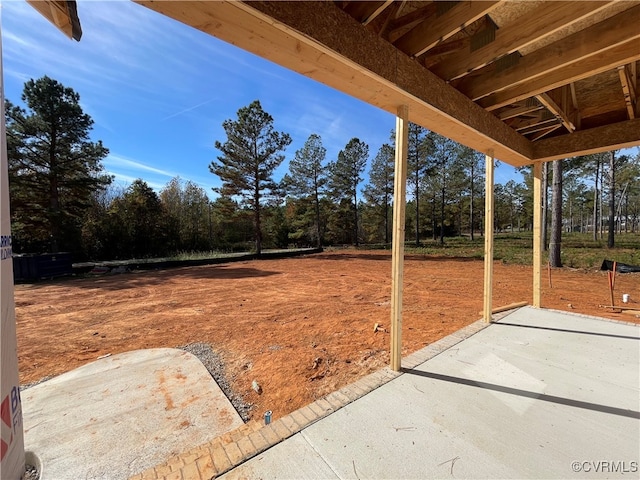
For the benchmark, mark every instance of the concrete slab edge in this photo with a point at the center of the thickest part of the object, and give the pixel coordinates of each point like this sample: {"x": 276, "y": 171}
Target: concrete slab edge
{"x": 230, "y": 450}
{"x": 592, "y": 317}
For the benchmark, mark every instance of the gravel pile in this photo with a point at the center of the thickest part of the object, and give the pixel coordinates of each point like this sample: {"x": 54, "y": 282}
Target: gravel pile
{"x": 214, "y": 364}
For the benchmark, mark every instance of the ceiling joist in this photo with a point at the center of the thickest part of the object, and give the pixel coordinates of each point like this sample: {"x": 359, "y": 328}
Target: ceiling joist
{"x": 564, "y": 74}
{"x": 599, "y": 39}
{"x": 519, "y": 111}
{"x": 543, "y": 133}
{"x": 367, "y": 12}
{"x": 428, "y": 34}
{"x": 545, "y": 21}
{"x": 546, "y": 100}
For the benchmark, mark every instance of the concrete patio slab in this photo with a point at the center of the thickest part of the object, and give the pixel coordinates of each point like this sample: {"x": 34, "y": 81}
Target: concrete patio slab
{"x": 540, "y": 394}
{"x": 120, "y": 415}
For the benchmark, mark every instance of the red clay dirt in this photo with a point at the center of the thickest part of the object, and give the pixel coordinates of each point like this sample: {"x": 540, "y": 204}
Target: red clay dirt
{"x": 301, "y": 327}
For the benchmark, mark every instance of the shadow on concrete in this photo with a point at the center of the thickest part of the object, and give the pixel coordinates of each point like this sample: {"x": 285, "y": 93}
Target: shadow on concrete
{"x": 581, "y": 332}
{"x": 526, "y": 393}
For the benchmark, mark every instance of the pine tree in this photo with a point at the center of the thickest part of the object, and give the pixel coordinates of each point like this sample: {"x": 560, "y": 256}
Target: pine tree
{"x": 54, "y": 168}
{"x": 249, "y": 157}
{"x": 345, "y": 176}
{"x": 444, "y": 154}
{"x": 379, "y": 190}
{"x": 307, "y": 178}
{"x": 420, "y": 147}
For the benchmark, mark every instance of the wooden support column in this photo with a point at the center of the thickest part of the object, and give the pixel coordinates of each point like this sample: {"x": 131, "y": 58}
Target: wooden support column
{"x": 397, "y": 256}
{"x": 537, "y": 234}
{"x": 488, "y": 239}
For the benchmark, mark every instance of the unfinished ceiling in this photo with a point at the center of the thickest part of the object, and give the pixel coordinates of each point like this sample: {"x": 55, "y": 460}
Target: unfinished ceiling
{"x": 524, "y": 81}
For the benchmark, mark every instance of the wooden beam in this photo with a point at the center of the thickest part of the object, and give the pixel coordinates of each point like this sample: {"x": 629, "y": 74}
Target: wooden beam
{"x": 543, "y": 126}
{"x": 537, "y": 234}
{"x": 546, "y": 100}
{"x": 366, "y": 12}
{"x": 628, "y": 91}
{"x": 319, "y": 40}
{"x": 428, "y": 34}
{"x": 541, "y": 120}
{"x": 544, "y": 133}
{"x": 397, "y": 246}
{"x": 488, "y": 239}
{"x": 542, "y": 22}
{"x": 377, "y": 12}
{"x": 518, "y": 111}
{"x": 584, "y": 142}
{"x": 60, "y": 13}
{"x": 565, "y": 74}
{"x": 574, "y": 102}
{"x": 412, "y": 18}
{"x": 579, "y": 47}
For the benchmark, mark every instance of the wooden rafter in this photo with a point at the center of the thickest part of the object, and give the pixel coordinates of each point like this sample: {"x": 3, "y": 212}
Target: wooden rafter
{"x": 628, "y": 89}
{"x": 409, "y": 20}
{"x": 381, "y": 24}
{"x": 536, "y": 122}
{"x": 599, "y": 39}
{"x": 518, "y": 111}
{"x": 545, "y": 21}
{"x": 564, "y": 74}
{"x": 428, "y": 34}
{"x": 546, "y": 100}
{"x": 366, "y": 12}
{"x": 543, "y": 126}
{"x": 544, "y": 133}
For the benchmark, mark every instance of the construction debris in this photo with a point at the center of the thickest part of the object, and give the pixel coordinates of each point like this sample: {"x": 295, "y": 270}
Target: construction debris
{"x": 256, "y": 386}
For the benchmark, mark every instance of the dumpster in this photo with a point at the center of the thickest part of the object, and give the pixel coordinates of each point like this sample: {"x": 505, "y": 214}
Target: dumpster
{"x": 30, "y": 267}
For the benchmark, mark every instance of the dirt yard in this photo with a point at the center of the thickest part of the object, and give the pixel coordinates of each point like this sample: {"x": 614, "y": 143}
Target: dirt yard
{"x": 300, "y": 327}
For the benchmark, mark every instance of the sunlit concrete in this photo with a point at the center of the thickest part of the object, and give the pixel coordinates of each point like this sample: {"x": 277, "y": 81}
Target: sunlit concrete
{"x": 541, "y": 394}
{"x": 120, "y": 415}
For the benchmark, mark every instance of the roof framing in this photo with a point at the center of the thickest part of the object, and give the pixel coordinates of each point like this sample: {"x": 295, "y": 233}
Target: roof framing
{"x": 545, "y": 21}
{"x": 512, "y": 78}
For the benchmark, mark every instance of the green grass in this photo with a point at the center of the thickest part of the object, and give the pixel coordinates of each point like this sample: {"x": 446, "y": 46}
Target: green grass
{"x": 577, "y": 251}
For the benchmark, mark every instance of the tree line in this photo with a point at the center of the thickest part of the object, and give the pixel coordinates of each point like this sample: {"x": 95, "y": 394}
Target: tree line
{"x": 63, "y": 200}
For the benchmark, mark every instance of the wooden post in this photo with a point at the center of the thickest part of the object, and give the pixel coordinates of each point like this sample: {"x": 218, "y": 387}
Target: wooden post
{"x": 488, "y": 238}
{"x": 537, "y": 234}
{"x": 397, "y": 256}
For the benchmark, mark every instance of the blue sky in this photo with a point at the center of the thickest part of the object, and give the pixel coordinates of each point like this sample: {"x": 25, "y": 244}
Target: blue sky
{"x": 158, "y": 91}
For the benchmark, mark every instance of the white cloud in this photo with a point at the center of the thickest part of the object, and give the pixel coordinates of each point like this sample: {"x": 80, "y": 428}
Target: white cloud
{"x": 118, "y": 161}
{"x": 126, "y": 180}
